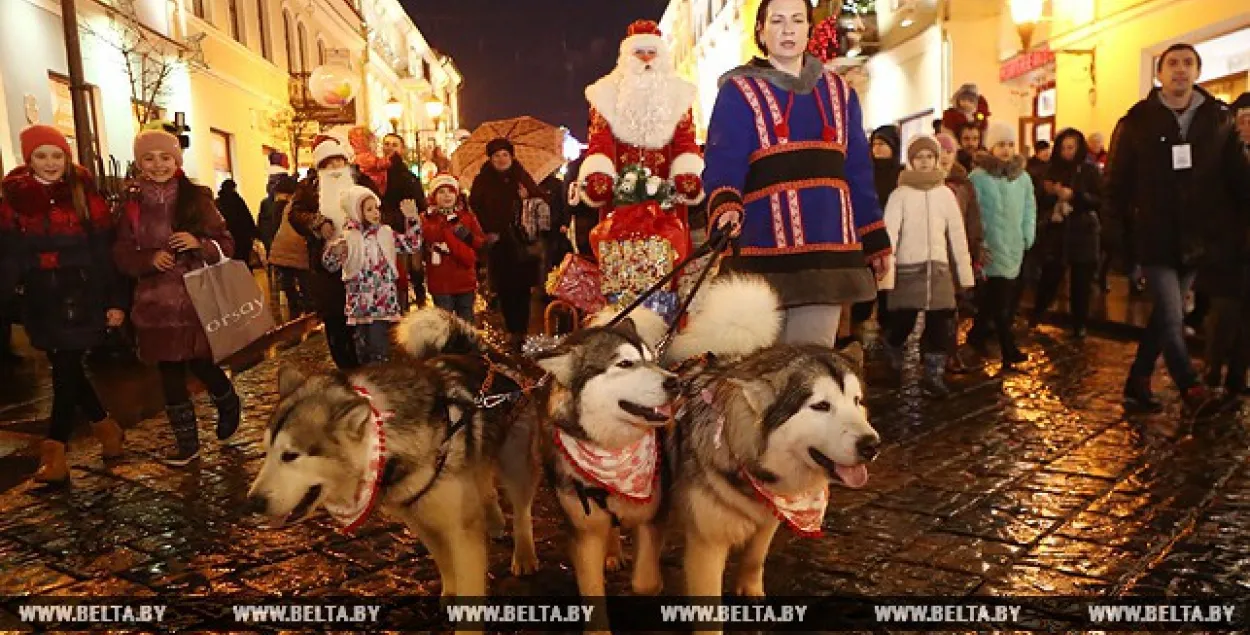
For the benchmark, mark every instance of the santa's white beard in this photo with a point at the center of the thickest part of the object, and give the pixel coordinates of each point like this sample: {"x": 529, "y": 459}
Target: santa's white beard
{"x": 331, "y": 185}
{"x": 642, "y": 111}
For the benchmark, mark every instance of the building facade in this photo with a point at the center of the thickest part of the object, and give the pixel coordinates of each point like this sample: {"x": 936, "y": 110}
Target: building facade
{"x": 1084, "y": 64}
{"x": 708, "y": 38}
{"x": 232, "y": 69}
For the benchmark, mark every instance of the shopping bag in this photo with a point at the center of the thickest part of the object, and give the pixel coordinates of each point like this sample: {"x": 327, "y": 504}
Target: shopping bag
{"x": 230, "y": 305}
{"x": 577, "y": 280}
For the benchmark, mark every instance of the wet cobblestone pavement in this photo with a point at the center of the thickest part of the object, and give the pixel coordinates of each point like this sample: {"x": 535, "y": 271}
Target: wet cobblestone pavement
{"x": 1030, "y": 484}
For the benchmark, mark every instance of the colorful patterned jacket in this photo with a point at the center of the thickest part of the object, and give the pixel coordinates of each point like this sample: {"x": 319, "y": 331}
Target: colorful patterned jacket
{"x": 790, "y": 154}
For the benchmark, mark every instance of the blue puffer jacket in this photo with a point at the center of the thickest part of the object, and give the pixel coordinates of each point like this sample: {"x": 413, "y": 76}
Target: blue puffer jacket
{"x": 1008, "y": 212}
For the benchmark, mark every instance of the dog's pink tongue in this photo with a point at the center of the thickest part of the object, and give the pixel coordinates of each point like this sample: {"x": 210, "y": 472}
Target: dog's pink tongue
{"x": 854, "y": 477}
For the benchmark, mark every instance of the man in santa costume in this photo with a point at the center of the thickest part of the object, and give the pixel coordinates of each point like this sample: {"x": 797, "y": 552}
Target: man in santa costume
{"x": 640, "y": 114}
{"x": 317, "y": 213}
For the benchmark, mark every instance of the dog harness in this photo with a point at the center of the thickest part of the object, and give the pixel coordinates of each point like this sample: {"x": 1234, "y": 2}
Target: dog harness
{"x": 803, "y": 513}
{"x": 352, "y": 515}
{"x": 630, "y": 472}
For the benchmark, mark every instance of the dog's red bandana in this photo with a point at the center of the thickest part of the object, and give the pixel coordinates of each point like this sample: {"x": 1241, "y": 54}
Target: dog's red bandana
{"x": 803, "y": 513}
{"x": 630, "y": 472}
{"x": 354, "y": 514}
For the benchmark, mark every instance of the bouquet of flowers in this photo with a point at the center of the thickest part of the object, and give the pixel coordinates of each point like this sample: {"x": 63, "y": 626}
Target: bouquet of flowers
{"x": 636, "y": 184}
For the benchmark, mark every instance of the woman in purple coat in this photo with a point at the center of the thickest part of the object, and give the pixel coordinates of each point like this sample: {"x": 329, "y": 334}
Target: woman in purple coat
{"x": 171, "y": 227}
{"x": 788, "y": 167}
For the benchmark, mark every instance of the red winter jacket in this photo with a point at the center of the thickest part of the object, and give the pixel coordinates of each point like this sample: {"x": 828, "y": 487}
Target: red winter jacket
{"x": 456, "y": 271}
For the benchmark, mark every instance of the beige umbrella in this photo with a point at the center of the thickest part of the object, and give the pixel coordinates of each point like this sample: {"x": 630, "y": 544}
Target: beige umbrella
{"x": 539, "y": 148}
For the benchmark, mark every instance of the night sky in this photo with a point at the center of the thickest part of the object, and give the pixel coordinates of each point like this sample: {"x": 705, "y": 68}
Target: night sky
{"x": 529, "y": 57}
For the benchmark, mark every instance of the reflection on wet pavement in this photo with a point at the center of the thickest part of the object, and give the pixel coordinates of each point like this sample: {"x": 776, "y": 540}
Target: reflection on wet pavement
{"x": 1032, "y": 483}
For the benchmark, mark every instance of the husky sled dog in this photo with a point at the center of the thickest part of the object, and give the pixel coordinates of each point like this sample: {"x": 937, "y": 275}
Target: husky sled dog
{"x": 762, "y": 431}
{"x": 599, "y": 442}
{"x": 411, "y": 437}
{"x": 603, "y": 428}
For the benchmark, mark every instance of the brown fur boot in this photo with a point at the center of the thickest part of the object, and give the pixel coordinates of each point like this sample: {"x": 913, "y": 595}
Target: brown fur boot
{"x": 111, "y": 437}
{"x": 52, "y": 467}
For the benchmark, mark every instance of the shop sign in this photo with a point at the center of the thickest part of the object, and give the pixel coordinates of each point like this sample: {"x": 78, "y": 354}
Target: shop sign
{"x": 1025, "y": 63}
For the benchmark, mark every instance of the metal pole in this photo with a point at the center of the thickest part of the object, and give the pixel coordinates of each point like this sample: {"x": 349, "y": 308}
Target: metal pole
{"x": 78, "y": 90}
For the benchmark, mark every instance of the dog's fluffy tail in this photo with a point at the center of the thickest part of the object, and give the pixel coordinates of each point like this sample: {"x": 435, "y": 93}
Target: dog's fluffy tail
{"x": 732, "y": 317}
{"x": 431, "y": 331}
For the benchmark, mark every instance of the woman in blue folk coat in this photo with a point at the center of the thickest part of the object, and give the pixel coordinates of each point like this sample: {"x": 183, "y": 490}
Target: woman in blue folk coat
{"x": 788, "y": 168}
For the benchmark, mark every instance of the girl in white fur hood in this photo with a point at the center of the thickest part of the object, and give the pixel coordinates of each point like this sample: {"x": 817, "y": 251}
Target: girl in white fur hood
{"x": 926, "y": 227}
{"x": 365, "y": 253}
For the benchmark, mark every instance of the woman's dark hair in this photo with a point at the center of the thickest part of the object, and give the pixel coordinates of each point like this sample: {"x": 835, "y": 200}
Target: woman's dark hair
{"x": 188, "y": 215}
{"x": 761, "y": 18}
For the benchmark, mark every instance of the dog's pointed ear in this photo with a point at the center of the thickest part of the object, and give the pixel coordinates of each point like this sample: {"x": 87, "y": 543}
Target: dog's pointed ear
{"x": 355, "y": 417}
{"x": 757, "y": 393}
{"x": 560, "y": 364}
{"x": 289, "y": 380}
{"x": 628, "y": 328}
{"x": 853, "y": 354}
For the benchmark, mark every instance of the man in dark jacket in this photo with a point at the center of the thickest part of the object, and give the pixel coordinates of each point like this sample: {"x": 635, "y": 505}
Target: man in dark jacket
{"x": 317, "y": 215}
{"x": 1180, "y": 181}
{"x": 402, "y": 185}
{"x": 238, "y": 219}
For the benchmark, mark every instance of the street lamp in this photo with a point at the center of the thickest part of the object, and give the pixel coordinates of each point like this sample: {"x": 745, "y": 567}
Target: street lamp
{"x": 1026, "y": 14}
{"x": 394, "y": 110}
{"x": 434, "y": 107}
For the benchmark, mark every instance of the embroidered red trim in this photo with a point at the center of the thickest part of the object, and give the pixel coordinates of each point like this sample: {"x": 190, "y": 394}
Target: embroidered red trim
{"x": 871, "y": 227}
{"x": 802, "y": 184}
{"x": 795, "y": 146}
{"x": 809, "y": 248}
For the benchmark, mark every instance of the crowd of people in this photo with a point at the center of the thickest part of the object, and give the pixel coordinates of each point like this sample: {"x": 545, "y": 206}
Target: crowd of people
{"x": 958, "y": 223}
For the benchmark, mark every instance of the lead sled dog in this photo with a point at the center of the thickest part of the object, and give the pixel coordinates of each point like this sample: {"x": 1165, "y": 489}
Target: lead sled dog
{"x": 411, "y": 438}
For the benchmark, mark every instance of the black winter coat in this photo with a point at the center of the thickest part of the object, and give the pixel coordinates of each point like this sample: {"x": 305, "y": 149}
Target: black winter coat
{"x": 242, "y": 226}
{"x": 1076, "y": 238}
{"x": 1180, "y": 218}
{"x": 401, "y": 185}
{"x": 62, "y": 262}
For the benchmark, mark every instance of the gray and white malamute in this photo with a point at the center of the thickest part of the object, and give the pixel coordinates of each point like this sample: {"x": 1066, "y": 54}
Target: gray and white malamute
{"x": 408, "y": 438}
{"x": 606, "y": 425}
{"x": 764, "y": 428}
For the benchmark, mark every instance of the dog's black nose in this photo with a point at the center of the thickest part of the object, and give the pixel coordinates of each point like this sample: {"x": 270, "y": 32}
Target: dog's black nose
{"x": 256, "y": 504}
{"x": 867, "y": 447}
{"x": 672, "y": 385}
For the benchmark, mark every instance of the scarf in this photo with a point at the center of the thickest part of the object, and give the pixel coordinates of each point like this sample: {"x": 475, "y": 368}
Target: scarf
{"x": 922, "y": 180}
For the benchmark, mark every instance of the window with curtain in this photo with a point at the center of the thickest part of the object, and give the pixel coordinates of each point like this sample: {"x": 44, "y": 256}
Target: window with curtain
{"x": 262, "y": 22}
{"x": 321, "y": 51}
{"x": 197, "y": 8}
{"x": 286, "y": 39}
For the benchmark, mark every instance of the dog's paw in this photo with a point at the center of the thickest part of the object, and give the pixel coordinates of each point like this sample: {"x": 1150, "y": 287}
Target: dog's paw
{"x": 753, "y": 589}
{"x": 647, "y": 582}
{"x": 615, "y": 562}
{"x": 524, "y": 565}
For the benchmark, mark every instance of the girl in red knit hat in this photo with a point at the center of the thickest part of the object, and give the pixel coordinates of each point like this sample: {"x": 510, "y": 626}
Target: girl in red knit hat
{"x": 55, "y": 234}
{"x": 452, "y": 238}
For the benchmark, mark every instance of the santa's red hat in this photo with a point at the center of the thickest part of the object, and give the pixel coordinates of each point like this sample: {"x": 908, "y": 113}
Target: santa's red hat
{"x": 642, "y": 33}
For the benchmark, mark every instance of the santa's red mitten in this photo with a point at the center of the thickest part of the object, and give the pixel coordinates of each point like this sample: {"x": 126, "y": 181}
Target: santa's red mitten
{"x": 688, "y": 186}
{"x": 599, "y": 188}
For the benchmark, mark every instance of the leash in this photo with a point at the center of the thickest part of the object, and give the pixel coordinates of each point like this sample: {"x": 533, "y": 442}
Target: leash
{"x": 444, "y": 449}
